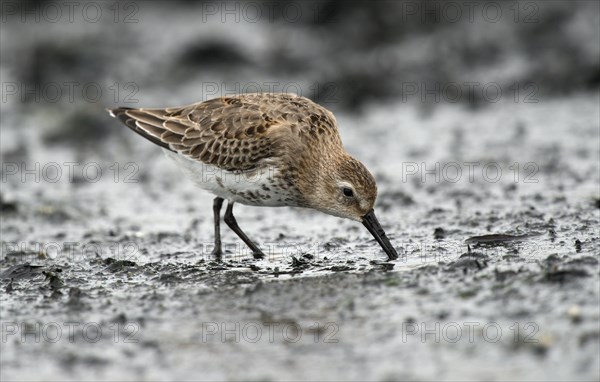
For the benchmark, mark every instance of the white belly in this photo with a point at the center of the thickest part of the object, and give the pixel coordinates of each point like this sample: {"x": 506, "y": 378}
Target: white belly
{"x": 255, "y": 188}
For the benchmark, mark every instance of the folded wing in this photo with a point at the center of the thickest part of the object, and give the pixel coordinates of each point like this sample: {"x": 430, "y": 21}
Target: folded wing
{"x": 233, "y": 133}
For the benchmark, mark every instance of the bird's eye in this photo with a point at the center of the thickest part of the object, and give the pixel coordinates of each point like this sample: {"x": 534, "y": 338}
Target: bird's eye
{"x": 348, "y": 192}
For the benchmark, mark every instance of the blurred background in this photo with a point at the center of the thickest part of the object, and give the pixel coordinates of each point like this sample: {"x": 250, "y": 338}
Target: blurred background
{"x": 346, "y": 55}
{"x": 424, "y": 92}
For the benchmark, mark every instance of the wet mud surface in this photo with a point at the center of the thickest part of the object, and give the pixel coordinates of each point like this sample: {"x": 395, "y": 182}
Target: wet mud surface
{"x": 494, "y": 278}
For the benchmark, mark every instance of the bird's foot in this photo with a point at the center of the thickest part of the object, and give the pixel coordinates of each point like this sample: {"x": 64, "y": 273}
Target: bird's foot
{"x": 217, "y": 253}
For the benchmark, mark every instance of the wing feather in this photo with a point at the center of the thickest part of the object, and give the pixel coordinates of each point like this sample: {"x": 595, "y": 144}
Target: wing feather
{"x": 233, "y": 133}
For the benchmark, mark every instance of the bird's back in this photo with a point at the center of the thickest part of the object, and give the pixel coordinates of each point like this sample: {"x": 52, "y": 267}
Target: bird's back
{"x": 240, "y": 132}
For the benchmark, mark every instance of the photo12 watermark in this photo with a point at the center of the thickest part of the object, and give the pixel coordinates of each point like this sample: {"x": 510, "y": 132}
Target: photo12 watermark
{"x": 68, "y": 11}
{"x": 71, "y": 332}
{"x": 469, "y": 332}
{"x": 47, "y": 252}
{"x": 469, "y": 11}
{"x": 327, "y": 92}
{"x": 287, "y": 331}
{"x": 69, "y": 172}
{"x": 469, "y": 171}
{"x": 267, "y": 11}
{"x": 70, "y": 92}
{"x": 469, "y": 92}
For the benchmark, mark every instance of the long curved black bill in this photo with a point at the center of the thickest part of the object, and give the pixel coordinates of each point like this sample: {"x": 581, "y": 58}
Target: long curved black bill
{"x": 372, "y": 224}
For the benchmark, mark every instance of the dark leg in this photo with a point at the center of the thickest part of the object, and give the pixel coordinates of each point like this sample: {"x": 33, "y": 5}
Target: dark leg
{"x": 217, "y": 203}
{"x": 232, "y": 223}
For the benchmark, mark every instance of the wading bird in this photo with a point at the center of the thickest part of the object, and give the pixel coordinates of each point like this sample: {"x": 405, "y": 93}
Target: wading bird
{"x": 266, "y": 149}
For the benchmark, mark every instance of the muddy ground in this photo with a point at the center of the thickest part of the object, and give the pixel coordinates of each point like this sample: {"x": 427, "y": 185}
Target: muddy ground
{"x": 105, "y": 270}
{"x": 136, "y": 295}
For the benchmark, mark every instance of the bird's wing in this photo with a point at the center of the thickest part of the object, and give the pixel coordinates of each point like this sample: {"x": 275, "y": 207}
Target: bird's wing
{"x": 233, "y": 133}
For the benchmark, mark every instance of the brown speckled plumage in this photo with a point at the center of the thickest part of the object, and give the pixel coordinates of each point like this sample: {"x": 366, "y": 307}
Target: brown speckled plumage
{"x": 234, "y": 133}
{"x": 256, "y": 133}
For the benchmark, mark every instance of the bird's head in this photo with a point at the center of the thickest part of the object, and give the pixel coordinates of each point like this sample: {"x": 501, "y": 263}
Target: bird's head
{"x": 345, "y": 188}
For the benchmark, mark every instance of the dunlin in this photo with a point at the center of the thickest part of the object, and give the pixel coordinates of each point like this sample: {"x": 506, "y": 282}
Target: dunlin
{"x": 263, "y": 150}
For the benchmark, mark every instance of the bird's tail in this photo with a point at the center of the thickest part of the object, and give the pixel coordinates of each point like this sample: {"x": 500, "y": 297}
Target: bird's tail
{"x": 121, "y": 113}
